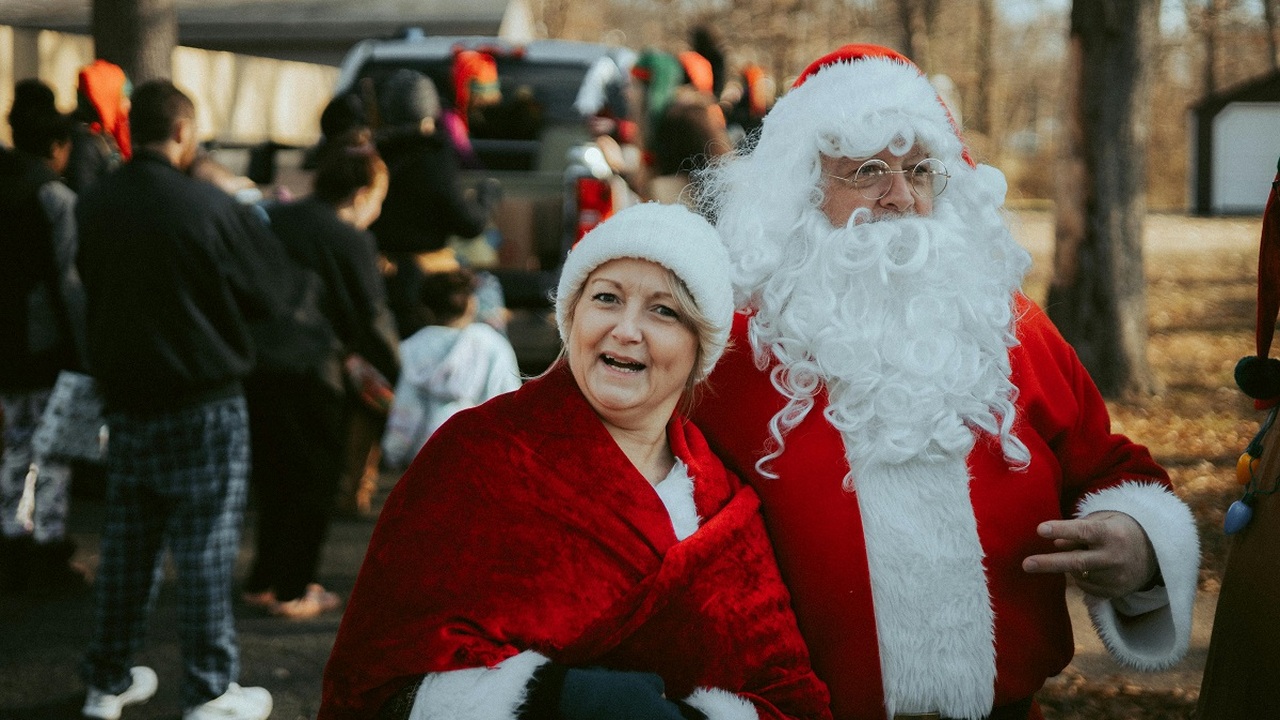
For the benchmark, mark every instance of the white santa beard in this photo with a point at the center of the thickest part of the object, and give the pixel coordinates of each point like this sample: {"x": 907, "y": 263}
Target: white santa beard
{"x": 907, "y": 323}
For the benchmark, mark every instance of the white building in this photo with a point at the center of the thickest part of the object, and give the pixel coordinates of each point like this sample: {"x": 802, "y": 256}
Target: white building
{"x": 1235, "y": 145}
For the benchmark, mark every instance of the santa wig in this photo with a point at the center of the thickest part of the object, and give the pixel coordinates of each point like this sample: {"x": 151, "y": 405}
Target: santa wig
{"x": 907, "y": 323}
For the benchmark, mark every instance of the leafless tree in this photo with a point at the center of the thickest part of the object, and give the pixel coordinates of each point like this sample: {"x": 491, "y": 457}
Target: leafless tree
{"x": 1203, "y": 17}
{"x": 137, "y": 35}
{"x": 978, "y": 115}
{"x": 1269, "y": 12}
{"x": 1097, "y": 296}
{"x": 554, "y": 16}
{"x": 917, "y": 18}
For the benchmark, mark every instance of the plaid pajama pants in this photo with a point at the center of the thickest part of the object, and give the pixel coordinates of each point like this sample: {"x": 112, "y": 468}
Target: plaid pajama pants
{"x": 22, "y": 413}
{"x": 179, "y": 479}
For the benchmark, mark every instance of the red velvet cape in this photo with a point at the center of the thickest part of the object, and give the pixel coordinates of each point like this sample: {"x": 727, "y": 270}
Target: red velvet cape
{"x": 522, "y": 526}
{"x": 817, "y": 528}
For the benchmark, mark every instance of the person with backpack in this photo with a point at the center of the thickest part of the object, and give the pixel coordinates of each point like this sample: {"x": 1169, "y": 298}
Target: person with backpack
{"x": 41, "y": 334}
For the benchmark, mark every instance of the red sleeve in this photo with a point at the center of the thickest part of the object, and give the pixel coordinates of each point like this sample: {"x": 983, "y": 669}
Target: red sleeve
{"x": 1063, "y": 406}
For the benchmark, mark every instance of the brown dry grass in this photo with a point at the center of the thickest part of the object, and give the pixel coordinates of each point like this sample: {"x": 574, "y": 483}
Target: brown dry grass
{"x": 1201, "y": 286}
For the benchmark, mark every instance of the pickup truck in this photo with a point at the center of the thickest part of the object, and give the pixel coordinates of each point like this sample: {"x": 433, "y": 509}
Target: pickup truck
{"x": 556, "y": 183}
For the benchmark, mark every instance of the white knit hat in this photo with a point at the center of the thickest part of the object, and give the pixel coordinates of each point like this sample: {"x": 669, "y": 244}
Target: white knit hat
{"x": 673, "y": 237}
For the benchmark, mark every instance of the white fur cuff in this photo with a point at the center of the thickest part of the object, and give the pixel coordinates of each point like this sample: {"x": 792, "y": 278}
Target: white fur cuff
{"x": 1160, "y": 637}
{"x": 722, "y": 705}
{"x": 483, "y": 693}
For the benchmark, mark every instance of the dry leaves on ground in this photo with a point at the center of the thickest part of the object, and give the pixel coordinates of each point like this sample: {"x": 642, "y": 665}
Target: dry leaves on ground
{"x": 1201, "y": 291}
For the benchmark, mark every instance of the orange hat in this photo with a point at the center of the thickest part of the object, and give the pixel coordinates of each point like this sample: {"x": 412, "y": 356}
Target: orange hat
{"x": 753, "y": 77}
{"x": 105, "y": 87}
{"x": 698, "y": 69}
{"x": 475, "y": 75}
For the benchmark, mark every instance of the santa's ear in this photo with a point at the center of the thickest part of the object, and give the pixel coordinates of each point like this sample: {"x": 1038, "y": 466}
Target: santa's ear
{"x": 1257, "y": 377}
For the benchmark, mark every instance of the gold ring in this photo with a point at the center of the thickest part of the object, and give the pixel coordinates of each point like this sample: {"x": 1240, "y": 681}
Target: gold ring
{"x": 1084, "y": 575}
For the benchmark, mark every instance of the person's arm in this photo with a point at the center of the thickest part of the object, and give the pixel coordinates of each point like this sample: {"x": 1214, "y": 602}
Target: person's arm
{"x": 458, "y": 139}
{"x": 255, "y": 263}
{"x": 59, "y": 203}
{"x": 91, "y": 157}
{"x": 459, "y": 214}
{"x": 376, "y": 336}
{"x": 1135, "y": 538}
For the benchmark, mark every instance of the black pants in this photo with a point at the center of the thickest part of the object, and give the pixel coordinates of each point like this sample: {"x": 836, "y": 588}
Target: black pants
{"x": 296, "y": 426}
{"x": 1013, "y": 711}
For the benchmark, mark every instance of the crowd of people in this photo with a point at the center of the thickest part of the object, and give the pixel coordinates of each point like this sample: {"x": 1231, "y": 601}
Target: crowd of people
{"x": 808, "y": 450}
{"x": 245, "y": 349}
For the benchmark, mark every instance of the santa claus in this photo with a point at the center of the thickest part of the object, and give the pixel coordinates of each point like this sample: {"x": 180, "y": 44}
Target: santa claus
{"x": 932, "y": 457}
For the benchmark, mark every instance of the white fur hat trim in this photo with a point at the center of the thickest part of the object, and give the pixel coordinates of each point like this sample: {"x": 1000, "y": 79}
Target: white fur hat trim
{"x": 858, "y": 108}
{"x": 673, "y": 237}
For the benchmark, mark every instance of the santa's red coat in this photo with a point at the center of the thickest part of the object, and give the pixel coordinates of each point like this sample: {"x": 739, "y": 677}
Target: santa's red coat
{"x": 817, "y": 528}
{"x": 522, "y": 526}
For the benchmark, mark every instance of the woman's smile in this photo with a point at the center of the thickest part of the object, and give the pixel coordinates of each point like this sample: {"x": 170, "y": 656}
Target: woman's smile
{"x": 629, "y": 349}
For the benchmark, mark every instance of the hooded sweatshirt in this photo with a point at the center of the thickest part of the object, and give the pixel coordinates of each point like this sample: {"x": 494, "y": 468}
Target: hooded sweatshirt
{"x": 444, "y": 370}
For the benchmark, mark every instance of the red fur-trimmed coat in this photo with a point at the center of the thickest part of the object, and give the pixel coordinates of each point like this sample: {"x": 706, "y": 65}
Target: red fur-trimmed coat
{"x": 1022, "y": 629}
{"x": 521, "y": 532}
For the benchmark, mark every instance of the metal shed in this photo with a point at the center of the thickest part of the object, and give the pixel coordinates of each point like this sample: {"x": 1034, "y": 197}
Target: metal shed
{"x": 1235, "y": 140}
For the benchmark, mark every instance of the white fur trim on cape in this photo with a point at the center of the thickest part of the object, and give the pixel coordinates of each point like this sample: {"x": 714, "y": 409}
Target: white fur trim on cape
{"x": 719, "y": 704}
{"x": 676, "y": 493}
{"x": 937, "y": 649}
{"x": 1159, "y": 638}
{"x": 483, "y": 693}
{"x": 671, "y": 236}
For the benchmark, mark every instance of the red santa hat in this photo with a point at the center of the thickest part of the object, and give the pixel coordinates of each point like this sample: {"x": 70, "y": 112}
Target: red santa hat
{"x": 1259, "y": 375}
{"x": 671, "y": 236}
{"x": 865, "y": 94}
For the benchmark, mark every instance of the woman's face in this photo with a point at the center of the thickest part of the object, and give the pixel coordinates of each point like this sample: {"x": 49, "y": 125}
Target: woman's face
{"x": 628, "y": 348}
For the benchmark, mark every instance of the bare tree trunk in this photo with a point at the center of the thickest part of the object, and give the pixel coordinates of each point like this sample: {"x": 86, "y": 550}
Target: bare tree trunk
{"x": 1097, "y": 297}
{"x": 978, "y": 117}
{"x": 1269, "y": 16}
{"x": 916, "y": 20}
{"x": 137, "y": 35}
{"x": 1203, "y": 19}
{"x": 555, "y": 17}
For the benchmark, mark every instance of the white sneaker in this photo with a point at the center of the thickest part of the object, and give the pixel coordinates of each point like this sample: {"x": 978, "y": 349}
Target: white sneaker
{"x": 98, "y": 704}
{"x": 237, "y": 703}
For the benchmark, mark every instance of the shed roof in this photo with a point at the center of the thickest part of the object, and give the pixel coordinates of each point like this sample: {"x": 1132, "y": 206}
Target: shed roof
{"x": 1264, "y": 88}
{"x": 309, "y": 30}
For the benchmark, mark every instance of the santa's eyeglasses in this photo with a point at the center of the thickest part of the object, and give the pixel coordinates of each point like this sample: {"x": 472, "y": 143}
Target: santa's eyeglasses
{"x": 874, "y": 178}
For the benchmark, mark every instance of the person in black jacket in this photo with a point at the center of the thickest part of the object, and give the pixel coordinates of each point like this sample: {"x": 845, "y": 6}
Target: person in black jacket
{"x": 425, "y": 203}
{"x": 41, "y": 334}
{"x": 299, "y": 409}
{"x": 174, "y": 270}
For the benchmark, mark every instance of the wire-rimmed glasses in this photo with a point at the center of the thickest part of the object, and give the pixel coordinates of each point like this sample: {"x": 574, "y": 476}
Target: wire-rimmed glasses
{"x": 874, "y": 178}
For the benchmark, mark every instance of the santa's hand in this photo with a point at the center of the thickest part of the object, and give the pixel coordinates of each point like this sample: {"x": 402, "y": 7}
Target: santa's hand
{"x": 1107, "y": 552}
